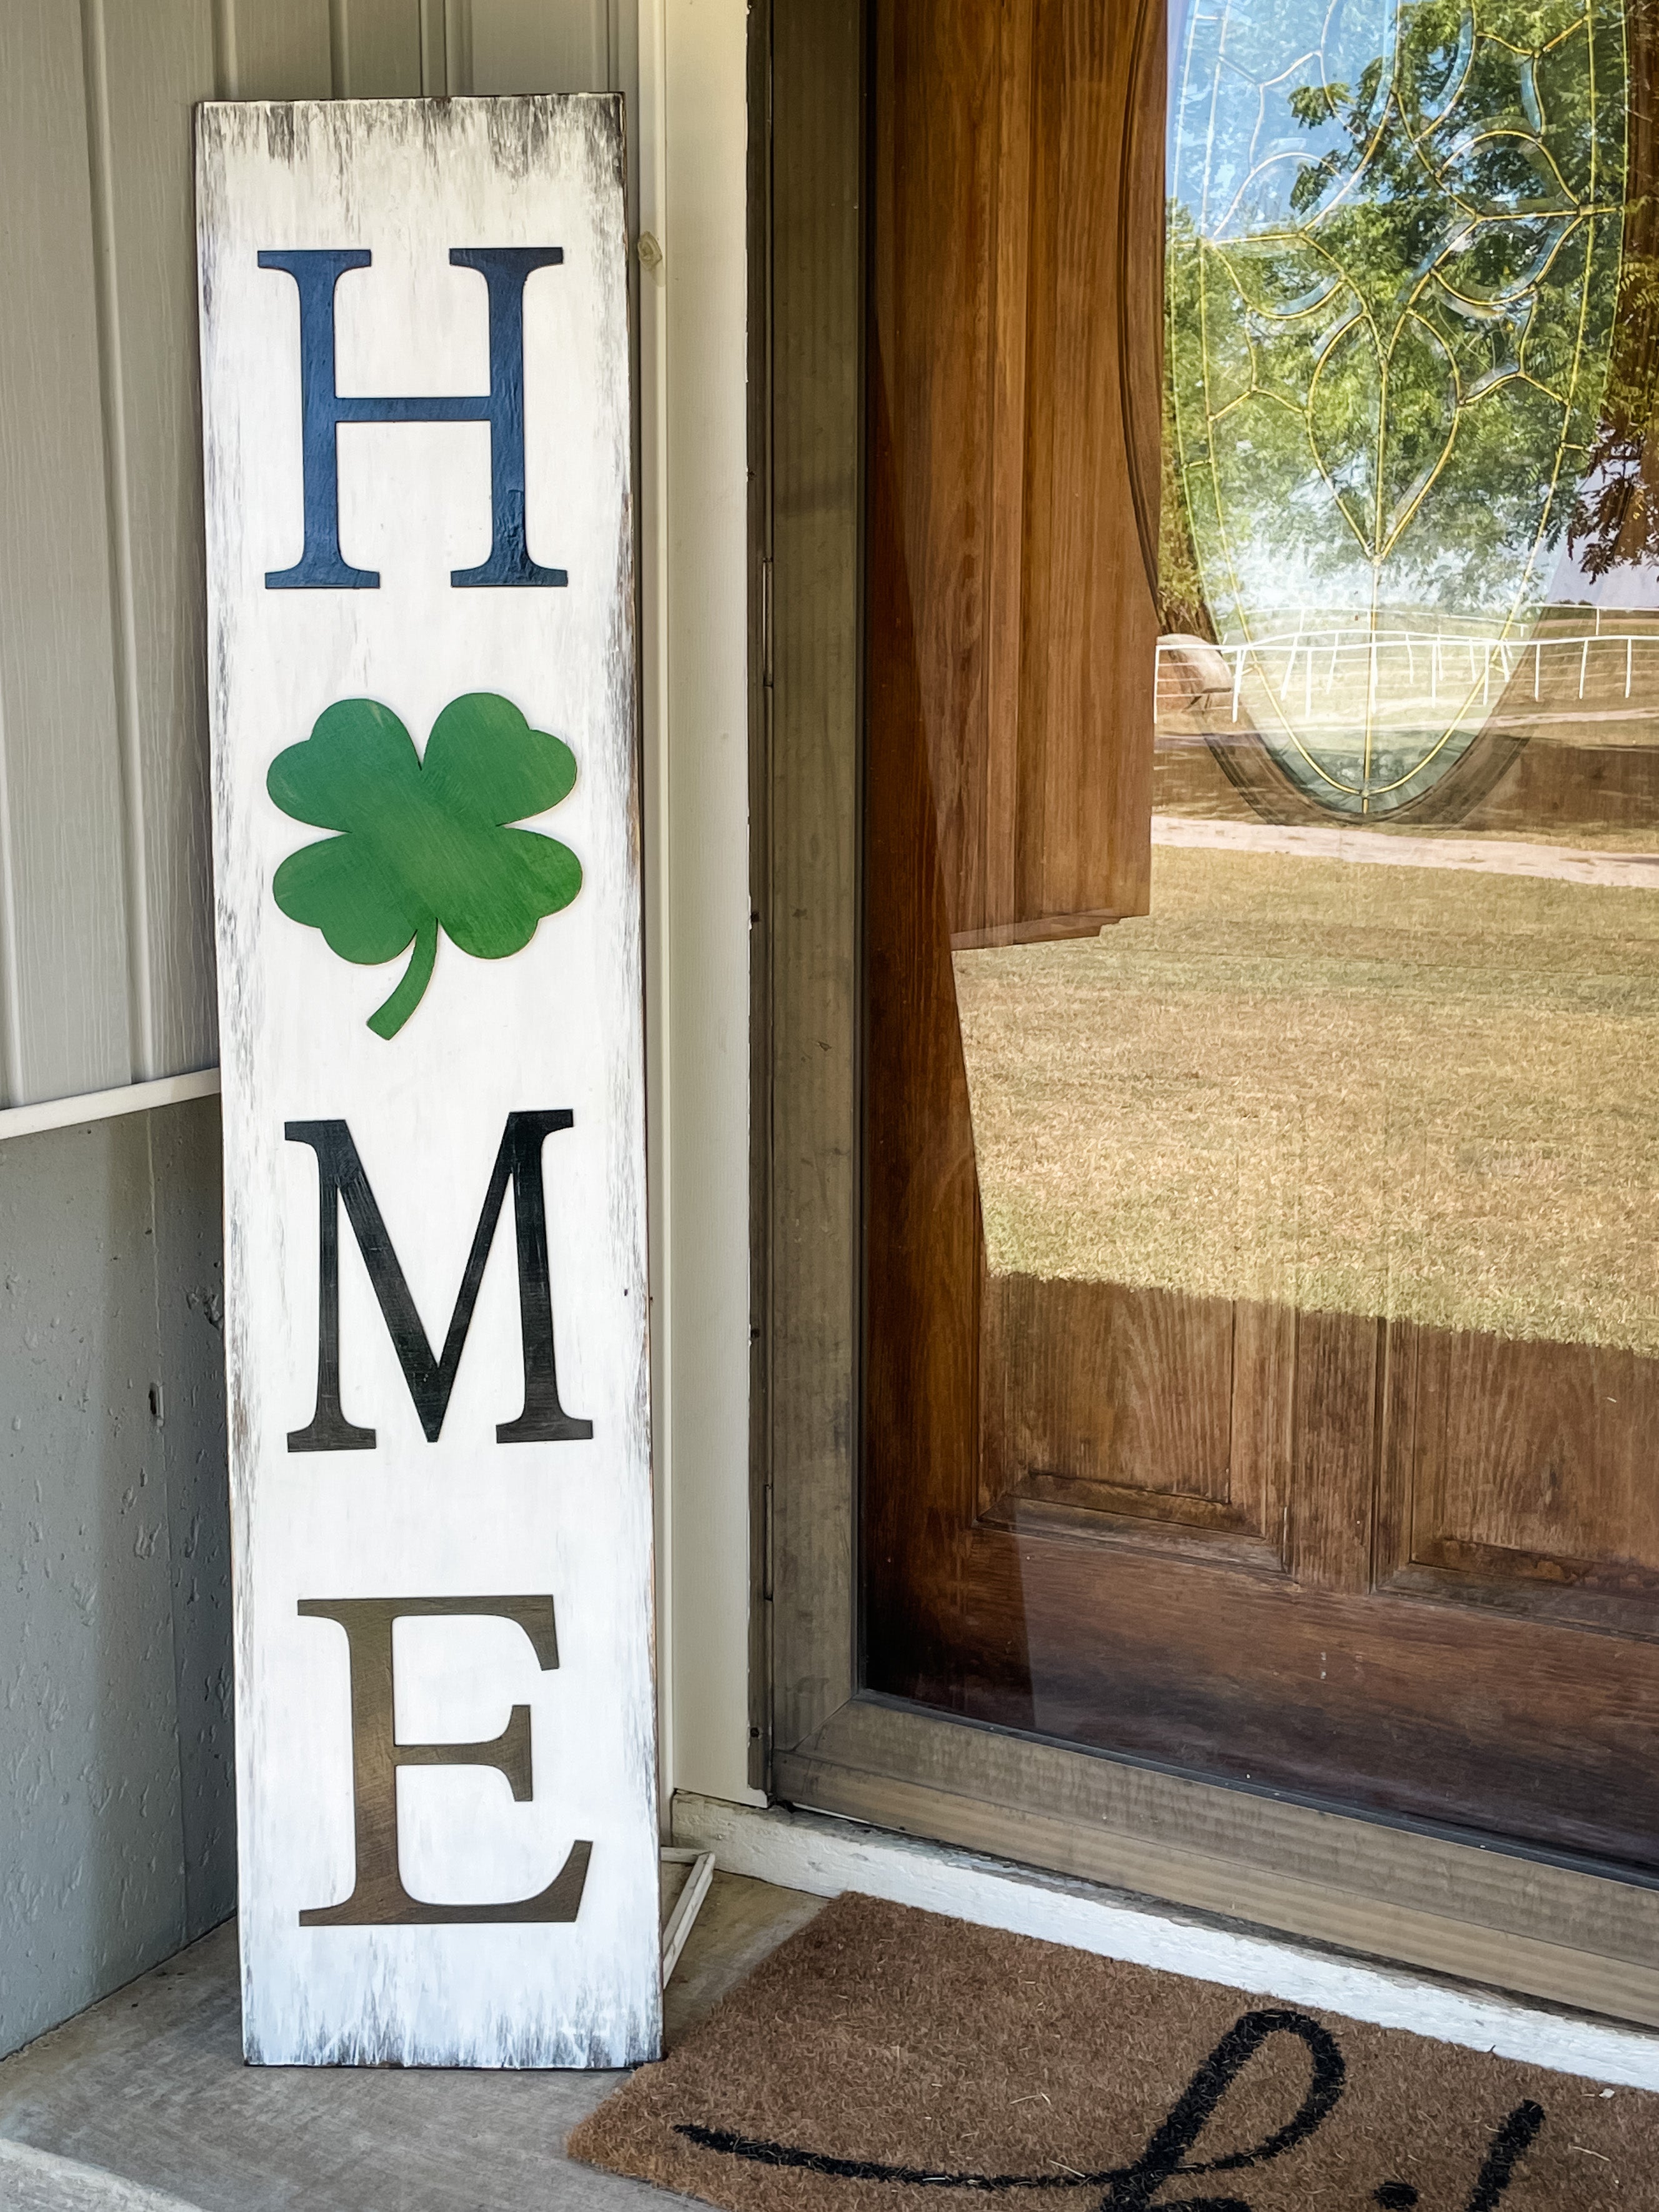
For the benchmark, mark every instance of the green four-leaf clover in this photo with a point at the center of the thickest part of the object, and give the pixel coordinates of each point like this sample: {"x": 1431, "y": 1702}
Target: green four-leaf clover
{"x": 423, "y": 844}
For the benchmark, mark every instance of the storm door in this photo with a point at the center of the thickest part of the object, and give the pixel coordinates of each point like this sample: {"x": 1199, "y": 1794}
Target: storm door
{"x": 1260, "y": 910}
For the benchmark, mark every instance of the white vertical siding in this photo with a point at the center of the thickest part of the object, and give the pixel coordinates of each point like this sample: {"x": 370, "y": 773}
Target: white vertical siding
{"x": 144, "y": 66}
{"x": 63, "y": 861}
{"x": 106, "y": 923}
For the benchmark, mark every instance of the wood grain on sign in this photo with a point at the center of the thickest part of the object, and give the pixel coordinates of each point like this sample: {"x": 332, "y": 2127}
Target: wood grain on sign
{"x": 426, "y": 839}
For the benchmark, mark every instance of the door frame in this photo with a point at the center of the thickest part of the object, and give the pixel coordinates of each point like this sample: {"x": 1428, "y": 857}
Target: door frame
{"x": 1548, "y": 1926}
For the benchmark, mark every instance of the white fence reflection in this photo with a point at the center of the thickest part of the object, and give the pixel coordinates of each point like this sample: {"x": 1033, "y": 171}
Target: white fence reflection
{"x": 1386, "y": 673}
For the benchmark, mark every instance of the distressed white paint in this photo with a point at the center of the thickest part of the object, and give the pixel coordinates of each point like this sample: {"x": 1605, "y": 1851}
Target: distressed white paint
{"x": 558, "y": 1025}
{"x": 824, "y": 1856}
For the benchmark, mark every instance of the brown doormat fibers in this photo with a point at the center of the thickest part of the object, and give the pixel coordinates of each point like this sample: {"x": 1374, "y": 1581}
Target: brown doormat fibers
{"x": 888, "y": 2060}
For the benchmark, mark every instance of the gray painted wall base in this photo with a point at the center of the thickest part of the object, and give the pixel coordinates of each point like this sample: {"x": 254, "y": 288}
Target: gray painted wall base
{"x": 36, "y": 2181}
{"x": 116, "y": 1801}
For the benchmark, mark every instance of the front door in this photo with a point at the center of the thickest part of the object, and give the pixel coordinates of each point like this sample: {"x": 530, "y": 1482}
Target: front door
{"x": 1262, "y": 896}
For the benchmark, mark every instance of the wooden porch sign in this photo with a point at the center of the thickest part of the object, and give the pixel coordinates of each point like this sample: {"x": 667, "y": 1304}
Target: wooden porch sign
{"x": 416, "y": 387}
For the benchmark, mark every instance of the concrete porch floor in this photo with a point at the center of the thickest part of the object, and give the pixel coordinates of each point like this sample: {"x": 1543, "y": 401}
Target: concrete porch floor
{"x": 150, "y": 2085}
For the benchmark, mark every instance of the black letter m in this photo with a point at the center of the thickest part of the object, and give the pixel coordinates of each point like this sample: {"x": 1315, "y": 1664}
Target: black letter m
{"x": 340, "y": 1176}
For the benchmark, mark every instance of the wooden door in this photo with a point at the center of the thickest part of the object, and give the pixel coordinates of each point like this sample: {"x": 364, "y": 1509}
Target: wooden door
{"x": 1375, "y": 1523}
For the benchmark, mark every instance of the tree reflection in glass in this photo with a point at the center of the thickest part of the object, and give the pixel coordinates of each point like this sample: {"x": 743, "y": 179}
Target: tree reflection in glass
{"x": 1394, "y": 256}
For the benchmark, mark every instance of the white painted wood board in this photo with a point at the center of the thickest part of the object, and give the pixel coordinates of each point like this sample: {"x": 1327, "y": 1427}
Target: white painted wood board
{"x": 554, "y": 1026}
{"x": 694, "y": 337}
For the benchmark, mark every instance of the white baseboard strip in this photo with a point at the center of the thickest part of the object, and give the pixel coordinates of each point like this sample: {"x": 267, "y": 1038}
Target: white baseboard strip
{"x": 824, "y": 1856}
{"x": 104, "y": 1105}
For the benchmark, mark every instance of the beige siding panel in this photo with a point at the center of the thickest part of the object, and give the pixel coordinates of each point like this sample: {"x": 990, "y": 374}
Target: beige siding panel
{"x": 395, "y": 49}
{"x": 61, "y": 842}
{"x": 278, "y": 50}
{"x": 377, "y": 50}
{"x": 534, "y": 45}
{"x": 146, "y": 67}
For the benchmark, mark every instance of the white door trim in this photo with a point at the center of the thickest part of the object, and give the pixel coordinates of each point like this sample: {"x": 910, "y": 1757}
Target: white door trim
{"x": 823, "y": 1856}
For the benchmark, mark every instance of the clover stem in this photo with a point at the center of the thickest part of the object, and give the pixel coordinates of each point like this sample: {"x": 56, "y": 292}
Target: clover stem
{"x": 385, "y": 1021}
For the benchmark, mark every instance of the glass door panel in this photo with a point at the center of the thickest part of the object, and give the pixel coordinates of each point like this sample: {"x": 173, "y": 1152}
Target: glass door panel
{"x": 1262, "y": 895}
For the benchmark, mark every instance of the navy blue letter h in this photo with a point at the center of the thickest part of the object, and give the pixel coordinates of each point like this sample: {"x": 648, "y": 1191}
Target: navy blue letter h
{"x": 504, "y": 270}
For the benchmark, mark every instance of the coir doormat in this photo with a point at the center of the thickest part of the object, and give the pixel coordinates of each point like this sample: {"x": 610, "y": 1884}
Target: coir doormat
{"x": 888, "y": 2060}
